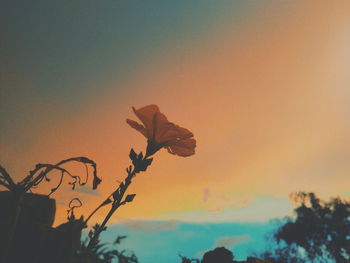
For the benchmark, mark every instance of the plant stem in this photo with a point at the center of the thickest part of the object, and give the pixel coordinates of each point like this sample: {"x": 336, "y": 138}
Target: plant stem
{"x": 97, "y": 208}
{"x": 115, "y": 205}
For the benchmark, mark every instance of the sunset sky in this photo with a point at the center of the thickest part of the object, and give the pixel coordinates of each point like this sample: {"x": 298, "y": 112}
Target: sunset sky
{"x": 263, "y": 85}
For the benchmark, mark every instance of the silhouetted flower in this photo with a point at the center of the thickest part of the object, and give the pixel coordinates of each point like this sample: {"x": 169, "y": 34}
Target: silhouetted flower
{"x": 162, "y": 133}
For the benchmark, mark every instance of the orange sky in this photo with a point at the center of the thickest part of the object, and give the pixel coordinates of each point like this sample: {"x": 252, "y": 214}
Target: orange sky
{"x": 268, "y": 104}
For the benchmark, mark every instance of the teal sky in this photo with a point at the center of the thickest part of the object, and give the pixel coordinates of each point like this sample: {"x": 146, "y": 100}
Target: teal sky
{"x": 168, "y": 239}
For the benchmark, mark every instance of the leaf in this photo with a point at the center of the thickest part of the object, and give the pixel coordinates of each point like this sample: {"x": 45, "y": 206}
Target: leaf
{"x": 118, "y": 240}
{"x": 148, "y": 161}
{"x": 132, "y": 154}
{"x": 130, "y": 198}
{"x": 96, "y": 182}
{"x": 143, "y": 164}
{"x": 116, "y": 194}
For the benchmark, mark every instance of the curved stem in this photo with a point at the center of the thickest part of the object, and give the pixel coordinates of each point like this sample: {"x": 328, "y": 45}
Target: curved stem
{"x": 98, "y": 208}
{"x": 32, "y": 179}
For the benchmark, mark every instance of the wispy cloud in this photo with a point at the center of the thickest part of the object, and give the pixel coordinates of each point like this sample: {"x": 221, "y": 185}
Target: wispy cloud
{"x": 261, "y": 208}
{"x": 85, "y": 189}
{"x": 229, "y": 242}
{"x": 151, "y": 226}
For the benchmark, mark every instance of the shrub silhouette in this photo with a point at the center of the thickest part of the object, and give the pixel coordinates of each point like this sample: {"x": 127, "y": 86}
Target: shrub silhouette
{"x": 102, "y": 253}
{"x": 220, "y": 255}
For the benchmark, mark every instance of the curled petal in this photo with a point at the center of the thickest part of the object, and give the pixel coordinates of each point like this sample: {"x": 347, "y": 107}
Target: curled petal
{"x": 137, "y": 127}
{"x": 170, "y": 131}
{"x": 183, "y": 147}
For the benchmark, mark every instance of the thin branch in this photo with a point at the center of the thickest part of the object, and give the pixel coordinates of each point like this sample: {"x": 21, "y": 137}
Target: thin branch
{"x": 33, "y": 180}
{"x": 6, "y": 177}
{"x": 49, "y": 167}
{"x": 118, "y": 196}
{"x": 59, "y": 184}
{"x": 105, "y": 202}
{"x": 4, "y": 184}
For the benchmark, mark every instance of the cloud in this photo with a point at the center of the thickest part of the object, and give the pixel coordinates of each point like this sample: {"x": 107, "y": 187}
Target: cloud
{"x": 149, "y": 226}
{"x": 229, "y": 242}
{"x": 216, "y": 202}
{"x": 87, "y": 190}
{"x": 206, "y": 195}
{"x": 261, "y": 209}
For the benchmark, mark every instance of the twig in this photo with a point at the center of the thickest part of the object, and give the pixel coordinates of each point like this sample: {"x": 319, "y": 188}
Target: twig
{"x": 8, "y": 182}
{"x": 32, "y": 179}
{"x": 140, "y": 163}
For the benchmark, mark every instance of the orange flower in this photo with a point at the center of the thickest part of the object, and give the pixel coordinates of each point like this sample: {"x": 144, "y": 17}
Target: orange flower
{"x": 162, "y": 133}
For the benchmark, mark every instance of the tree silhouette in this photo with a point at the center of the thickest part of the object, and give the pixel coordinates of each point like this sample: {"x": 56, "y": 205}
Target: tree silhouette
{"x": 320, "y": 232}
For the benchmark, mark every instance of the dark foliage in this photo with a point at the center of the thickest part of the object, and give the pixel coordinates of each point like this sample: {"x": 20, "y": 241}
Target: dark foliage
{"x": 104, "y": 253}
{"x": 220, "y": 255}
{"x": 320, "y": 232}
{"x": 188, "y": 260}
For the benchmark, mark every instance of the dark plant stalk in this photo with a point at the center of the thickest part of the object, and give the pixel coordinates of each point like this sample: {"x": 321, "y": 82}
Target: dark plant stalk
{"x": 139, "y": 164}
{"x": 41, "y": 170}
{"x": 107, "y": 201}
{"x": 115, "y": 205}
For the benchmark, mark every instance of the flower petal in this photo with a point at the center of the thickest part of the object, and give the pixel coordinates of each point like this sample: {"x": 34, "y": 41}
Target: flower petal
{"x": 170, "y": 131}
{"x": 137, "y": 126}
{"x": 183, "y": 147}
{"x": 146, "y": 115}
{"x": 161, "y": 126}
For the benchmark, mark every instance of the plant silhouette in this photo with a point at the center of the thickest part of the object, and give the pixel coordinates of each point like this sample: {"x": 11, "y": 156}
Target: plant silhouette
{"x": 27, "y": 226}
{"x": 220, "y": 255}
{"x": 102, "y": 253}
{"x": 160, "y": 133}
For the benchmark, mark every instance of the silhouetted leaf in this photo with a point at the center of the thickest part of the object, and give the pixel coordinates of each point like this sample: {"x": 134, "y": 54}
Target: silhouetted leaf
{"x": 130, "y": 198}
{"x": 96, "y": 182}
{"x": 132, "y": 154}
{"x": 118, "y": 240}
{"x": 148, "y": 162}
{"x": 116, "y": 194}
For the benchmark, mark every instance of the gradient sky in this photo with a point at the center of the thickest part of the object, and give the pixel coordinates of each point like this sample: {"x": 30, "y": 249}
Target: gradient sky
{"x": 263, "y": 85}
